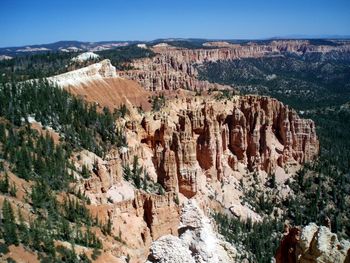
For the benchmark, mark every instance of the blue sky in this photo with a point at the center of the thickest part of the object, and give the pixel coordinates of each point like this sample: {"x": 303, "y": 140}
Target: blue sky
{"x": 44, "y": 21}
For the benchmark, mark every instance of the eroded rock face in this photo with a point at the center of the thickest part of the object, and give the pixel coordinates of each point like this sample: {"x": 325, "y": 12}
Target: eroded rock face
{"x": 258, "y": 132}
{"x": 173, "y": 68}
{"x": 312, "y": 244}
{"x": 139, "y": 221}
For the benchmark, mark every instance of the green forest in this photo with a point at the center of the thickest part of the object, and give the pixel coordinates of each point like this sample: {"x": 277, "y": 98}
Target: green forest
{"x": 35, "y": 158}
{"x": 303, "y": 82}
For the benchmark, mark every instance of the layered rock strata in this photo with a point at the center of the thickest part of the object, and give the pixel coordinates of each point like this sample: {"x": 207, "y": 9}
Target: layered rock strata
{"x": 258, "y": 132}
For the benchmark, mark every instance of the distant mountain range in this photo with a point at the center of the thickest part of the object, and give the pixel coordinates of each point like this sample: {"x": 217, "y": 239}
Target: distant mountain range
{"x": 76, "y": 46}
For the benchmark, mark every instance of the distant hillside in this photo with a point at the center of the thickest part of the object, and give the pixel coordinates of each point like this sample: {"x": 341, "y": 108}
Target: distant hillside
{"x": 192, "y": 43}
{"x": 64, "y": 46}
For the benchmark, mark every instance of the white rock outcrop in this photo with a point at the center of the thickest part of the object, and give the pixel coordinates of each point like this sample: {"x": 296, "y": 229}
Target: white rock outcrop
{"x": 85, "y": 56}
{"x": 103, "y": 69}
{"x": 197, "y": 242}
{"x": 170, "y": 249}
{"x": 4, "y": 57}
{"x": 319, "y": 244}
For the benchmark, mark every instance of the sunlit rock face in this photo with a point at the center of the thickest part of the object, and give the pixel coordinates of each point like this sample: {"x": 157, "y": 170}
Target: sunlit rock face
{"x": 258, "y": 132}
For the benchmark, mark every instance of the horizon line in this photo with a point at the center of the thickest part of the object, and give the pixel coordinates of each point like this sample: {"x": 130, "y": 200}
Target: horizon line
{"x": 287, "y": 37}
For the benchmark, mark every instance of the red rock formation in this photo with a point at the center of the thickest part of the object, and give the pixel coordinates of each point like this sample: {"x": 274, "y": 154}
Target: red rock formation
{"x": 260, "y": 132}
{"x": 138, "y": 222}
{"x": 286, "y": 252}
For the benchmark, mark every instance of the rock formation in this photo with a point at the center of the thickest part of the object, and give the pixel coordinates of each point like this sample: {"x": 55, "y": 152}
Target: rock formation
{"x": 258, "y": 132}
{"x": 100, "y": 84}
{"x": 173, "y": 68}
{"x": 103, "y": 69}
{"x": 197, "y": 241}
{"x": 312, "y": 244}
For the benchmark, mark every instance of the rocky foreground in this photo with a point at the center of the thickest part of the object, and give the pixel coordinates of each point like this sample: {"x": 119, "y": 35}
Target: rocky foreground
{"x": 312, "y": 244}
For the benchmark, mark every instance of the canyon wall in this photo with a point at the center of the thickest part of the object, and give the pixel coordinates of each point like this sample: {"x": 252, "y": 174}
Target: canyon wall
{"x": 173, "y": 68}
{"x": 258, "y": 132}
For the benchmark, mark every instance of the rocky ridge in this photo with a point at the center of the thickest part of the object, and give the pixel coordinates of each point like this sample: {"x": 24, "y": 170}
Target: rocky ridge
{"x": 174, "y": 68}
{"x": 258, "y": 133}
{"x": 100, "y": 84}
{"x": 103, "y": 69}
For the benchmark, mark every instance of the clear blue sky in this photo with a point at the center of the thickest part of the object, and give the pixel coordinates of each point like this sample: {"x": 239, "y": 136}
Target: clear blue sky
{"x": 43, "y": 21}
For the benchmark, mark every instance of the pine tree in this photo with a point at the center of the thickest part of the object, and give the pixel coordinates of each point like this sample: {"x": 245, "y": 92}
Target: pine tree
{"x": 13, "y": 190}
{"x": 9, "y": 224}
{"x": 4, "y": 184}
{"x": 107, "y": 228}
{"x": 136, "y": 172}
{"x": 85, "y": 172}
{"x": 23, "y": 230}
{"x": 145, "y": 183}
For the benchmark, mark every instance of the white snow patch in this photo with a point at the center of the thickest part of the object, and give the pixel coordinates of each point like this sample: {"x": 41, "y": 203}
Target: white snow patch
{"x": 109, "y": 46}
{"x": 243, "y": 212}
{"x": 73, "y": 49}
{"x": 31, "y": 119}
{"x": 123, "y": 150}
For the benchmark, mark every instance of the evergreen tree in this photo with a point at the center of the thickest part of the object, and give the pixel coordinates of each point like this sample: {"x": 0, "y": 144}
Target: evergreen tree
{"x": 4, "y": 184}
{"x": 85, "y": 172}
{"x": 107, "y": 228}
{"x": 13, "y": 190}
{"x": 136, "y": 172}
{"x": 23, "y": 232}
{"x": 9, "y": 224}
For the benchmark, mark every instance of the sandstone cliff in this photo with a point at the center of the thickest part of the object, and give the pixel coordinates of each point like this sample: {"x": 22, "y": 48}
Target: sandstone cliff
{"x": 259, "y": 133}
{"x": 197, "y": 148}
{"x": 103, "y": 69}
